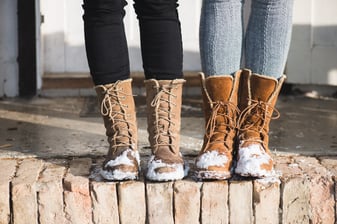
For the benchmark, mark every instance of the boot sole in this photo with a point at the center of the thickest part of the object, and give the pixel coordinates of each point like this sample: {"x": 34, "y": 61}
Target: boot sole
{"x": 180, "y": 170}
{"x": 117, "y": 175}
{"x": 166, "y": 177}
{"x": 212, "y": 175}
{"x": 177, "y": 175}
{"x": 257, "y": 175}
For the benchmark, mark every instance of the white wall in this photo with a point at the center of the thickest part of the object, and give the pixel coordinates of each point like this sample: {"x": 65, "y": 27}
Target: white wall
{"x": 8, "y": 48}
{"x": 313, "y": 52}
{"x": 63, "y": 42}
{"x": 312, "y": 57}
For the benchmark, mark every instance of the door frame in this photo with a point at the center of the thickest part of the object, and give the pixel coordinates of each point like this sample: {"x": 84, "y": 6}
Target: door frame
{"x": 28, "y": 46}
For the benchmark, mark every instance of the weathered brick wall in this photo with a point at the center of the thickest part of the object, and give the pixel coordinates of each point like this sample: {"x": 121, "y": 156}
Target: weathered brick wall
{"x": 60, "y": 191}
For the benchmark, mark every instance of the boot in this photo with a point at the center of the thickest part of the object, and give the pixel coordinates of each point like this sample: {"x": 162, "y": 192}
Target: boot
{"x": 118, "y": 111}
{"x": 163, "y": 117}
{"x": 258, "y": 96}
{"x": 220, "y": 108}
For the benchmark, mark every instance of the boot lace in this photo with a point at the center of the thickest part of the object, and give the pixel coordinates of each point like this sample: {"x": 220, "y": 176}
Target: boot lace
{"x": 228, "y": 112}
{"x": 113, "y": 98}
{"x": 163, "y": 136}
{"x": 254, "y": 119}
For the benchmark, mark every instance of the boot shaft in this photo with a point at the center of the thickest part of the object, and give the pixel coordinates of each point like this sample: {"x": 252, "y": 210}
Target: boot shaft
{"x": 257, "y": 98}
{"x": 117, "y": 108}
{"x": 220, "y": 109}
{"x": 255, "y": 87}
{"x": 164, "y": 99}
{"x": 217, "y": 89}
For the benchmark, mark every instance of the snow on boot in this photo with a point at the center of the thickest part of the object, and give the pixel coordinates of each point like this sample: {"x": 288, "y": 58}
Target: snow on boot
{"x": 220, "y": 108}
{"x": 163, "y": 116}
{"x": 118, "y": 111}
{"x": 258, "y": 96}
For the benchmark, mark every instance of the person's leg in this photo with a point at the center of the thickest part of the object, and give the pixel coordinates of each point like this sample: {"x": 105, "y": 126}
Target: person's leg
{"x": 108, "y": 60}
{"x": 160, "y": 35}
{"x": 221, "y": 49}
{"x": 105, "y": 40}
{"x": 267, "y": 44}
{"x": 221, "y": 32}
{"x": 162, "y": 54}
{"x": 268, "y": 36}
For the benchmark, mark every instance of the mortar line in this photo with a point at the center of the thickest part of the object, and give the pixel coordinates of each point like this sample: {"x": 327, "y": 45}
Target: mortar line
{"x": 37, "y": 207}
{"x": 173, "y": 202}
{"x": 146, "y": 200}
{"x": 66, "y": 216}
{"x": 228, "y": 214}
{"x": 253, "y": 203}
{"x": 92, "y": 194}
{"x": 43, "y": 168}
{"x": 281, "y": 203}
{"x": 201, "y": 197}
{"x": 11, "y": 208}
{"x": 117, "y": 188}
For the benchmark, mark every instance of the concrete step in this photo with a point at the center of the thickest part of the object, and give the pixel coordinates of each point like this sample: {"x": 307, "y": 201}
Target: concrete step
{"x": 80, "y": 84}
{"x": 68, "y": 190}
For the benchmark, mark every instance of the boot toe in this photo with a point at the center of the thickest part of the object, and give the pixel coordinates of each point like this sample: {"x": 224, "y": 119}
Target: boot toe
{"x": 123, "y": 167}
{"x": 159, "y": 170}
{"x": 253, "y": 161}
{"x": 213, "y": 165}
{"x": 218, "y": 174}
{"x": 120, "y": 173}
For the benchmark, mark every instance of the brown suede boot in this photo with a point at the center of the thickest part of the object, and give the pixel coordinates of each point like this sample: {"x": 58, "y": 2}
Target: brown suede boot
{"x": 258, "y": 96}
{"x": 118, "y": 111}
{"x": 220, "y": 108}
{"x": 163, "y": 118}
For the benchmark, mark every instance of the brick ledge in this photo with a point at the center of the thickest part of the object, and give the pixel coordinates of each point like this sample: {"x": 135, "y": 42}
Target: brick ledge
{"x": 59, "y": 191}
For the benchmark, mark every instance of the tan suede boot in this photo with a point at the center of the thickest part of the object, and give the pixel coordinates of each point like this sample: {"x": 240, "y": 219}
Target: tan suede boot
{"x": 258, "y": 96}
{"x": 118, "y": 111}
{"x": 163, "y": 118}
{"x": 221, "y": 112}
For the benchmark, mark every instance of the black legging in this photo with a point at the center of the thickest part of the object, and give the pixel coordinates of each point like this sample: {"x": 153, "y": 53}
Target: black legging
{"x": 106, "y": 44}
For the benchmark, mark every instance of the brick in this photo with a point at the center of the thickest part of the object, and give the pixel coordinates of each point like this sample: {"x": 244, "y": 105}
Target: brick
{"x": 132, "y": 202}
{"x": 266, "y": 198}
{"x": 240, "y": 202}
{"x": 321, "y": 188}
{"x": 24, "y": 190}
{"x": 330, "y": 163}
{"x": 295, "y": 197}
{"x": 322, "y": 200}
{"x": 214, "y": 202}
{"x": 314, "y": 185}
{"x": 104, "y": 202}
{"x": 50, "y": 193}
{"x": 76, "y": 192}
{"x": 186, "y": 202}
{"x": 159, "y": 203}
{"x": 8, "y": 168}
{"x": 288, "y": 167}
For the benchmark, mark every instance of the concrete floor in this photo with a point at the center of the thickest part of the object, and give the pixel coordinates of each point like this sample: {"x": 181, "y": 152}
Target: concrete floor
{"x": 66, "y": 127}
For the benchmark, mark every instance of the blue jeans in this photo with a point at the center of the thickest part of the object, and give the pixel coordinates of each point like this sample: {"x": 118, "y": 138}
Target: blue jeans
{"x": 265, "y": 45}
